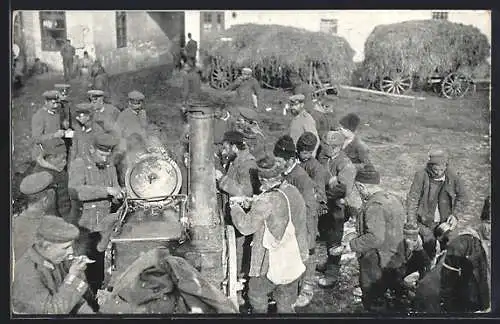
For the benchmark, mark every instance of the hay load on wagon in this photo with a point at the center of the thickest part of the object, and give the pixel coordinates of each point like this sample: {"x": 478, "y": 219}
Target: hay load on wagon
{"x": 444, "y": 53}
{"x": 275, "y": 52}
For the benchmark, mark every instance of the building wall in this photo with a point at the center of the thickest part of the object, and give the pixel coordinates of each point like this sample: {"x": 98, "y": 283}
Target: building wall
{"x": 147, "y": 44}
{"x": 354, "y": 25}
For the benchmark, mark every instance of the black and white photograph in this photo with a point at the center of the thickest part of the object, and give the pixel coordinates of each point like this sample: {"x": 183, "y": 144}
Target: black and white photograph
{"x": 250, "y": 162}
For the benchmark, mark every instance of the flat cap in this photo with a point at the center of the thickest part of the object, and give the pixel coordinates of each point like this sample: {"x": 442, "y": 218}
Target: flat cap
{"x": 51, "y": 94}
{"x": 306, "y": 142}
{"x": 105, "y": 142}
{"x": 248, "y": 113}
{"x": 268, "y": 167}
{"x": 95, "y": 93}
{"x": 438, "y": 156}
{"x": 246, "y": 70}
{"x": 56, "y": 230}
{"x": 36, "y": 182}
{"x": 233, "y": 137}
{"x": 53, "y": 146}
{"x": 62, "y": 86}
{"x": 84, "y": 108}
{"x": 333, "y": 138}
{"x": 298, "y": 98}
{"x": 284, "y": 148}
{"x": 136, "y": 95}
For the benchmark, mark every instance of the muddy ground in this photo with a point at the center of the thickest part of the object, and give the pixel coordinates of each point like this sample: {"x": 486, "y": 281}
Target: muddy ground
{"x": 399, "y": 133}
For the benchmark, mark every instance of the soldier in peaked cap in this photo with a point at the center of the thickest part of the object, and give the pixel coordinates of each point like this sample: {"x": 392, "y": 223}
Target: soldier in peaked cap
{"x": 45, "y": 280}
{"x": 104, "y": 114}
{"x": 93, "y": 183}
{"x": 46, "y": 123}
{"x": 437, "y": 195}
{"x": 85, "y": 129}
{"x": 247, "y": 89}
{"x": 133, "y": 119}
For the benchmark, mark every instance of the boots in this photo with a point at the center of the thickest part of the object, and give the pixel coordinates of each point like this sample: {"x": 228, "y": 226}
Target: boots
{"x": 305, "y": 296}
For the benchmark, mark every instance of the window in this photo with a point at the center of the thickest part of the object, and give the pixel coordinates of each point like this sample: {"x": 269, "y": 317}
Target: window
{"x": 53, "y": 29}
{"x": 207, "y": 21}
{"x": 328, "y": 26}
{"x": 121, "y": 29}
{"x": 220, "y": 21}
{"x": 440, "y": 15}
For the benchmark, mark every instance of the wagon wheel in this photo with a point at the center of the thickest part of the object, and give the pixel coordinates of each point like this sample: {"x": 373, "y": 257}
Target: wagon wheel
{"x": 397, "y": 84}
{"x": 220, "y": 76}
{"x": 232, "y": 285}
{"x": 455, "y": 85}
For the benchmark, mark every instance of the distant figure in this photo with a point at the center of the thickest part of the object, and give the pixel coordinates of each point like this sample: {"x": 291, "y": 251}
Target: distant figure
{"x": 67, "y": 53}
{"x": 98, "y": 77}
{"x": 85, "y": 65}
{"x": 191, "y": 48}
{"x": 39, "y": 67}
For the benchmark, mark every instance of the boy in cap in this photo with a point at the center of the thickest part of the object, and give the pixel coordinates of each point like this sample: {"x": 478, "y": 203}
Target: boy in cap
{"x": 437, "y": 195}
{"x": 105, "y": 115}
{"x": 46, "y": 123}
{"x": 285, "y": 153}
{"x": 51, "y": 157}
{"x": 85, "y": 129}
{"x": 272, "y": 214}
{"x": 357, "y": 151}
{"x": 339, "y": 186}
{"x": 93, "y": 182}
{"x": 239, "y": 181}
{"x": 302, "y": 121}
{"x": 379, "y": 232}
{"x": 45, "y": 281}
{"x": 247, "y": 89}
{"x": 320, "y": 176}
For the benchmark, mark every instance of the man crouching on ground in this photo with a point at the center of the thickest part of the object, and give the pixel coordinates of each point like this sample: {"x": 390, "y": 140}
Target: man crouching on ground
{"x": 277, "y": 218}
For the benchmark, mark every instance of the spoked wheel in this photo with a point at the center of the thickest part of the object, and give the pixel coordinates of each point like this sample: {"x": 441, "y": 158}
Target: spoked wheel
{"x": 397, "y": 84}
{"x": 455, "y": 85}
{"x": 220, "y": 76}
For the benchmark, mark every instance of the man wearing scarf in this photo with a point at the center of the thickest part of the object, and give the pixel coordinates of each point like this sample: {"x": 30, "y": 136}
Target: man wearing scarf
{"x": 437, "y": 195}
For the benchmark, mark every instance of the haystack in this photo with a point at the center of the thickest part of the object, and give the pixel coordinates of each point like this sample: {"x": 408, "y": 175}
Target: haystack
{"x": 288, "y": 47}
{"x": 423, "y": 47}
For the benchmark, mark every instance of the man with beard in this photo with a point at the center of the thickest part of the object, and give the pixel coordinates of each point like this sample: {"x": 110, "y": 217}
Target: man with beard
{"x": 339, "y": 186}
{"x": 46, "y": 122}
{"x": 437, "y": 195}
{"x": 51, "y": 157}
{"x": 285, "y": 153}
{"x": 277, "y": 215}
{"x": 104, "y": 114}
{"x": 247, "y": 89}
{"x": 237, "y": 182}
{"x": 302, "y": 120}
{"x": 93, "y": 182}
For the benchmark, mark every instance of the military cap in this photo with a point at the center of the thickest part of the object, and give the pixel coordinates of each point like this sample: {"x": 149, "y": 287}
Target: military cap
{"x": 62, "y": 86}
{"x": 95, "y": 93}
{"x": 350, "y": 121}
{"x": 84, "y": 108}
{"x": 368, "y": 175}
{"x": 438, "y": 156}
{"x": 53, "y": 146}
{"x": 268, "y": 167}
{"x": 248, "y": 113}
{"x": 298, "y": 98}
{"x": 233, "y": 137}
{"x": 105, "y": 142}
{"x": 410, "y": 231}
{"x": 333, "y": 138}
{"x": 136, "y": 95}
{"x": 51, "y": 94}
{"x": 36, "y": 182}
{"x": 306, "y": 142}
{"x": 56, "y": 230}
{"x": 246, "y": 70}
{"x": 284, "y": 147}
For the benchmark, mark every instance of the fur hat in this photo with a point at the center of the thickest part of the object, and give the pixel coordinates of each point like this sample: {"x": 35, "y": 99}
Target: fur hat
{"x": 285, "y": 148}
{"x": 306, "y": 142}
{"x": 333, "y": 138}
{"x": 350, "y": 121}
{"x": 233, "y": 137}
{"x": 268, "y": 167}
{"x": 368, "y": 175}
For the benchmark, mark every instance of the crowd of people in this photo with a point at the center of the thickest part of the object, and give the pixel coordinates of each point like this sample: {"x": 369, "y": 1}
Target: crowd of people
{"x": 318, "y": 176}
